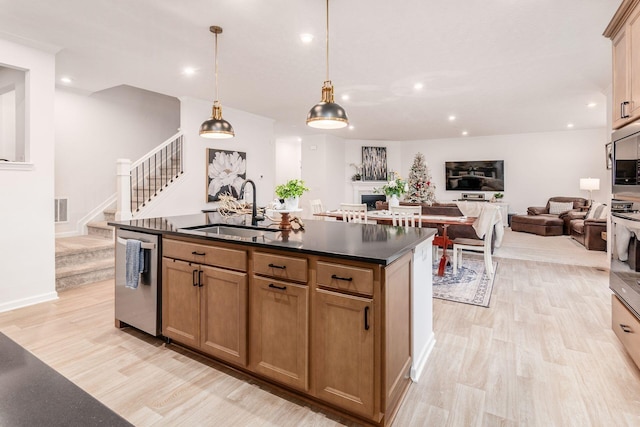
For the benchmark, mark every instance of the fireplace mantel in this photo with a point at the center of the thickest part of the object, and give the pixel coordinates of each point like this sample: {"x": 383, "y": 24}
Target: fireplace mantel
{"x": 364, "y": 187}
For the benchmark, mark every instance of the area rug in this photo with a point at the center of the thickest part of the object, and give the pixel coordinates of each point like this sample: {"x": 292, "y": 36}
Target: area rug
{"x": 471, "y": 285}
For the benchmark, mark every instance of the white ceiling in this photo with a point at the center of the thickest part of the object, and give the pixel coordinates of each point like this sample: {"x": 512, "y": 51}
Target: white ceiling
{"x": 499, "y": 66}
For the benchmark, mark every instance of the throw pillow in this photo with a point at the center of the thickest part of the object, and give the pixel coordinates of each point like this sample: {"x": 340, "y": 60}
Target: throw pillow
{"x": 597, "y": 211}
{"x": 556, "y": 208}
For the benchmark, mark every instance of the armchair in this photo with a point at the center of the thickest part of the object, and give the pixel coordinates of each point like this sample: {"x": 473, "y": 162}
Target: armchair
{"x": 587, "y": 227}
{"x": 579, "y": 205}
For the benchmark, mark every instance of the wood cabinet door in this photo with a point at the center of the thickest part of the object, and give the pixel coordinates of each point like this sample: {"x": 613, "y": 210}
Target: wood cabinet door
{"x": 633, "y": 40}
{"x": 224, "y": 314}
{"x": 343, "y": 351}
{"x": 279, "y": 331}
{"x": 620, "y": 77}
{"x": 180, "y": 302}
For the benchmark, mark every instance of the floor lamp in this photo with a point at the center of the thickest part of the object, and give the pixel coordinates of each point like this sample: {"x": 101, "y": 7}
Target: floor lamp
{"x": 590, "y": 184}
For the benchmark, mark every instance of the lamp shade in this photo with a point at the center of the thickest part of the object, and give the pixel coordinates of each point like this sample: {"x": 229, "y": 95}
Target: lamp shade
{"x": 326, "y": 114}
{"x": 589, "y": 184}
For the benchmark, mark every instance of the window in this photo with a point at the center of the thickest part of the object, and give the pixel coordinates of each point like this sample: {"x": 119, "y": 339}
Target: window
{"x": 12, "y": 115}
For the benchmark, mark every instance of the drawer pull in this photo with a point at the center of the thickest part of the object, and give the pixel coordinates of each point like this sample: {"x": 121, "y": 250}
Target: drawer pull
{"x": 282, "y": 288}
{"x": 626, "y": 329}
{"x": 198, "y": 253}
{"x": 347, "y": 279}
{"x": 366, "y": 318}
{"x": 281, "y": 267}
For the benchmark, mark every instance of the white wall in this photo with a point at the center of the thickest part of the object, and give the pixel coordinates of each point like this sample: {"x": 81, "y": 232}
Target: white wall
{"x": 323, "y": 171}
{"x": 254, "y": 136}
{"x": 289, "y": 159}
{"x": 27, "y": 245}
{"x": 93, "y": 131}
{"x": 537, "y": 165}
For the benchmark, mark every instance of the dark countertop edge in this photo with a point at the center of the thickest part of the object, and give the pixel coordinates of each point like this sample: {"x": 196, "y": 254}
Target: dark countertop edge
{"x": 382, "y": 261}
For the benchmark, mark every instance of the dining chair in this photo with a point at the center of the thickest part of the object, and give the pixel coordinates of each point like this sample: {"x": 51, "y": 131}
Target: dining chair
{"x": 406, "y": 216}
{"x": 354, "y": 212}
{"x": 316, "y": 206}
{"x": 474, "y": 245}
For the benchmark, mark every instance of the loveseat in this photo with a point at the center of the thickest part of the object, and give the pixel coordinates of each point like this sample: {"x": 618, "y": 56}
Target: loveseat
{"x": 552, "y": 219}
{"x": 443, "y": 209}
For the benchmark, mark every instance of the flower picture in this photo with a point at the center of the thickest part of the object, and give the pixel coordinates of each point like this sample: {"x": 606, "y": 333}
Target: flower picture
{"x": 226, "y": 171}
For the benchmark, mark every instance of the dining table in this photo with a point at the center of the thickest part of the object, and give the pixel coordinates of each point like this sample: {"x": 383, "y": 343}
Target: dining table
{"x": 385, "y": 217}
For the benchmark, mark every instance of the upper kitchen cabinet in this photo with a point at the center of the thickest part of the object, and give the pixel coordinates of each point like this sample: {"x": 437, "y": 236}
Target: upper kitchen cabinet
{"x": 624, "y": 32}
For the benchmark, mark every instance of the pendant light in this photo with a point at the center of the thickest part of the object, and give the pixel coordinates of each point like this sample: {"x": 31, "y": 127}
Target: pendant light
{"x": 327, "y": 114}
{"x": 216, "y": 127}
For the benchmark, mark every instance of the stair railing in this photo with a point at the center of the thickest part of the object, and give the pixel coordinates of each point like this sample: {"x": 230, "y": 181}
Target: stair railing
{"x": 141, "y": 181}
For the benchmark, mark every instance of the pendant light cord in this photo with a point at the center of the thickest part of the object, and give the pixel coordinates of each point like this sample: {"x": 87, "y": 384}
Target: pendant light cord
{"x": 216, "y": 64}
{"x": 327, "y": 40}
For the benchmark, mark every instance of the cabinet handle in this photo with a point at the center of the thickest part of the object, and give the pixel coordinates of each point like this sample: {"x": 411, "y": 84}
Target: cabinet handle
{"x": 623, "y": 113}
{"x": 347, "y": 279}
{"x": 626, "y": 329}
{"x": 366, "y": 318}
{"x": 194, "y": 278}
{"x": 282, "y": 288}
{"x": 200, "y": 279}
{"x": 198, "y": 253}
{"x": 281, "y": 267}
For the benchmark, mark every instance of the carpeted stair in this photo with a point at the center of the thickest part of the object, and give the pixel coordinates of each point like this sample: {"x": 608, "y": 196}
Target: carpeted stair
{"x": 81, "y": 260}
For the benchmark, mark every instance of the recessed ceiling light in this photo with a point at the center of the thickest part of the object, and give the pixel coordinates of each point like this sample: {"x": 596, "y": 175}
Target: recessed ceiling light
{"x": 351, "y": 127}
{"x": 299, "y": 139}
{"x": 65, "y": 79}
{"x": 418, "y": 86}
{"x": 591, "y": 104}
{"x": 452, "y": 118}
{"x": 345, "y": 97}
{"x": 569, "y": 125}
{"x": 306, "y": 38}
{"x": 465, "y": 133}
{"x": 189, "y": 71}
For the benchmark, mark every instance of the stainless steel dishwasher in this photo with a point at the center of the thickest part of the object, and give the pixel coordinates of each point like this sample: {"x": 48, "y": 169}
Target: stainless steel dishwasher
{"x": 139, "y": 307}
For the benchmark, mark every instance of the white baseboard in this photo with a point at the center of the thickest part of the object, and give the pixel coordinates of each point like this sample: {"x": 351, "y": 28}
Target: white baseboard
{"x": 419, "y": 364}
{"x": 24, "y": 302}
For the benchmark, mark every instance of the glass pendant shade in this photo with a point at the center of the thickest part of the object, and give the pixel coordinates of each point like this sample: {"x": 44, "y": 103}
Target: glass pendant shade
{"x": 216, "y": 127}
{"x": 326, "y": 114}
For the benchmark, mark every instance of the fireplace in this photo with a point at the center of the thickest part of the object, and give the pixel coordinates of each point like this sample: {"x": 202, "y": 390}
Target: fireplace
{"x": 371, "y": 199}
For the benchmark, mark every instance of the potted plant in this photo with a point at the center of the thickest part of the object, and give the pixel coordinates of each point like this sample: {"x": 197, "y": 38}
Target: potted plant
{"x": 291, "y": 192}
{"x": 497, "y": 196}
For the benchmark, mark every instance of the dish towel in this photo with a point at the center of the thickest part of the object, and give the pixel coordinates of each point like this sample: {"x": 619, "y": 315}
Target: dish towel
{"x": 134, "y": 263}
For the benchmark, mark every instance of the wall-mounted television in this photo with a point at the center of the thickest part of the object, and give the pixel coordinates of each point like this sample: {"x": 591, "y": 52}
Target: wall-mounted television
{"x": 485, "y": 175}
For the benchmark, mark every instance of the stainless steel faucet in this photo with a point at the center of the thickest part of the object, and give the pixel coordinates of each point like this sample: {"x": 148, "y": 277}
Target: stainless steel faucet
{"x": 254, "y": 212}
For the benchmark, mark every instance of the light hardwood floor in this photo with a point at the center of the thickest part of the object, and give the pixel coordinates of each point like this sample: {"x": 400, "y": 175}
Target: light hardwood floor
{"x": 543, "y": 354}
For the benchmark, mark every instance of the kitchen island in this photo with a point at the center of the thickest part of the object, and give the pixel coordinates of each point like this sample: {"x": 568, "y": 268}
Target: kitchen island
{"x": 338, "y": 314}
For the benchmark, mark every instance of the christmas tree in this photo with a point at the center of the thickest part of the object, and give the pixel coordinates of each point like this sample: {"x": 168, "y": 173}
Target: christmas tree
{"x": 421, "y": 187}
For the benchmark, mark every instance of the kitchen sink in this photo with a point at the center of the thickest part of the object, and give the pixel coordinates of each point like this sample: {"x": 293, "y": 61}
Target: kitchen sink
{"x": 236, "y": 231}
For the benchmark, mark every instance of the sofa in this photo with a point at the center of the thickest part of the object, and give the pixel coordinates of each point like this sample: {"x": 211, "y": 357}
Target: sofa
{"x": 442, "y": 209}
{"x": 588, "y": 227}
{"x": 552, "y": 219}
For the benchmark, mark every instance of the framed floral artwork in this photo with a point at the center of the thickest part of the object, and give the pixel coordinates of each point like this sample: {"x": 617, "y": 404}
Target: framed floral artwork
{"x": 226, "y": 171}
{"x": 609, "y": 158}
{"x": 374, "y": 163}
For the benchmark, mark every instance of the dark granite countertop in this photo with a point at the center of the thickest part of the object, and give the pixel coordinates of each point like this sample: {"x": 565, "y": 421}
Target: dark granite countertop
{"x": 33, "y": 394}
{"x": 381, "y": 244}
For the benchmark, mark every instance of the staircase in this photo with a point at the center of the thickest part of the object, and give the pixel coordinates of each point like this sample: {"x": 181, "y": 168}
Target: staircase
{"x": 81, "y": 260}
